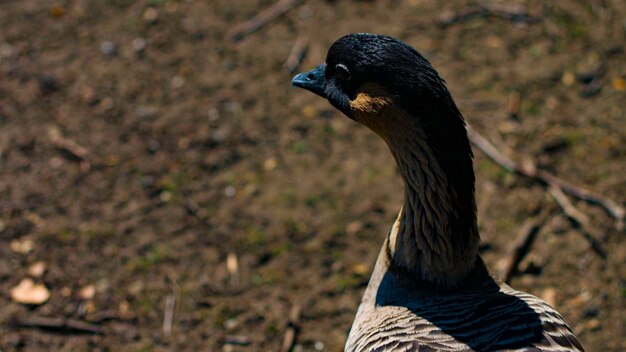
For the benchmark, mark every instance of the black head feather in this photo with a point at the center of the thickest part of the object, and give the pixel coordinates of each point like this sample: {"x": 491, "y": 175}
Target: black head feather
{"x": 416, "y": 87}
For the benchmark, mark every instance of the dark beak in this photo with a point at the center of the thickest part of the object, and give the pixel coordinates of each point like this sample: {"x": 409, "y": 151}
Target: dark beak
{"x": 313, "y": 80}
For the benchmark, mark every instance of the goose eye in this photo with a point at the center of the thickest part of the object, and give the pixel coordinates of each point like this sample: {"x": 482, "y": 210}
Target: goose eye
{"x": 342, "y": 72}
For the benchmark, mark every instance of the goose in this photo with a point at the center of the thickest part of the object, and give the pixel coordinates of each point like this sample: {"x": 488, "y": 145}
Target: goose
{"x": 430, "y": 290}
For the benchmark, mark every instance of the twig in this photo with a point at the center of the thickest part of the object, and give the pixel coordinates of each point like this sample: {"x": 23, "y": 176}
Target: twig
{"x": 578, "y": 218}
{"x": 59, "y": 324}
{"x": 296, "y": 55}
{"x": 78, "y": 151}
{"x": 450, "y": 18}
{"x": 522, "y": 245}
{"x": 292, "y": 328}
{"x": 612, "y": 208}
{"x": 261, "y": 19}
{"x": 511, "y": 13}
{"x": 240, "y": 340}
{"x": 168, "y": 316}
{"x": 103, "y": 316}
{"x": 514, "y": 105}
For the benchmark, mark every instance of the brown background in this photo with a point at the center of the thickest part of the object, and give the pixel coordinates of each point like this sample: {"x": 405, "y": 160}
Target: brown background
{"x": 199, "y": 148}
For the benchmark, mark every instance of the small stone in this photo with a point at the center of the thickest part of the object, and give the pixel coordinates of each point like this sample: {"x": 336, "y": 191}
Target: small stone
{"x": 66, "y": 291}
{"x": 593, "y": 324}
{"x": 56, "y": 162}
{"x": 218, "y": 136}
{"x": 35, "y": 219}
{"x": 147, "y": 181}
{"x": 153, "y": 146}
{"x": 171, "y": 6}
{"x": 37, "y": 269}
{"x": 151, "y": 15}
{"x": 89, "y": 307}
{"x": 184, "y": 143}
{"x": 213, "y": 114}
{"x": 27, "y": 292}
{"x": 6, "y": 50}
{"x": 591, "y": 311}
{"x": 232, "y": 106}
{"x": 305, "y": 12}
{"x": 270, "y": 164}
{"x": 354, "y": 227}
{"x": 318, "y": 345}
{"x": 146, "y": 112}
{"x": 568, "y": 78}
{"x": 136, "y": 288}
{"x": 178, "y": 82}
{"x": 102, "y": 285}
{"x": 165, "y": 196}
{"x": 89, "y": 96}
{"x": 230, "y": 324}
{"x": 508, "y": 126}
{"x": 48, "y": 84}
{"x": 230, "y": 191}
{"x": 309, "y": 111}
{"x": 494, "y": 42}
{"x": 108, "y": 48}
{"x": 552, "y": 103}
{"x": 139, "y": 44}
{"x": 123, "y": 309}
{"x": 107, "y": 104}
{"x": 112, "y": 160}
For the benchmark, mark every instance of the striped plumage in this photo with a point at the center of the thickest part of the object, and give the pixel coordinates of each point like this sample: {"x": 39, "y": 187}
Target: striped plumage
{"x": 397, "y": 314}
{"x": 430, "y": 290}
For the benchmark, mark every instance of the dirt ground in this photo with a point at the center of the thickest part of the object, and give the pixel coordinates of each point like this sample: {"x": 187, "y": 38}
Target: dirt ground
{"x": 144, "y": 159}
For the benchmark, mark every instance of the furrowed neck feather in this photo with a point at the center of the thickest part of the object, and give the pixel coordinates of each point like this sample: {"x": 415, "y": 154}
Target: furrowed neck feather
{"x": 436, "y": 237}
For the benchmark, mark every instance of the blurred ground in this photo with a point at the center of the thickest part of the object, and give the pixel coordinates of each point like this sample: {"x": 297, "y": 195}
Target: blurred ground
{"x": 195, "y": 147}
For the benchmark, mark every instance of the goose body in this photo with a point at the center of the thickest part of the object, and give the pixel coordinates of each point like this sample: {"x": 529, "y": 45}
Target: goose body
{"x": 430, "y": 290}
{"x": 399, "y": 314}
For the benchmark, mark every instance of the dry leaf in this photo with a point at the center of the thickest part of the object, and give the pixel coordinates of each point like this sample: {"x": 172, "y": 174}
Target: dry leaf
{"x": 232, "y": 264}
{"x": 22, "y": 246}
{"x": 87, "y": 292}
{"x": 361, "y": 269}
{"x": 35, "y": 219}
{"x": 57, "y": 11}
{"x": 123, "y": 309}
{"x": 619, "y": 84}
{"x": 37, "y": 269}
{"x": 27, "y": 292}
{"x": 309, "y": 111}
{"x": 354, "y": 227}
